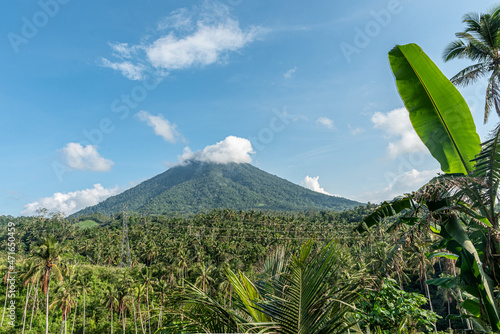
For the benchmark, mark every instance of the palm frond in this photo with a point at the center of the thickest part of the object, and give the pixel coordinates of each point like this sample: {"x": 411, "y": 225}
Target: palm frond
{"x": 476, "y": 49}
{"x": 304, "y": 302}
{"x": 455, "y": 49}
{"x": 472, "y": 21}
{"x": 487, "y": 167}
{"x": 470, "y": 74}
{"x": 202, "y": 313}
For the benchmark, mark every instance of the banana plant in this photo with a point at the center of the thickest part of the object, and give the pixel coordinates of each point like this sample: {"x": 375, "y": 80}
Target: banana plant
{"x": 465, "y": 195}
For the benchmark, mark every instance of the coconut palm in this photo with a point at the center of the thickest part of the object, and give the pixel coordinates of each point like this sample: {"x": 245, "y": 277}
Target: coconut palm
{"x": 46, "y": 259}
{"x": 161, "y": 287}
{"x": 301, "y": 295}
{"x": 85, "y": 285}
{"x": 65, "y": 300}
{"x": 204, "y": 279}
{"x": 6, "y": 281}
{"x": 147, "y": 280}
{"x": 110, "y": 302}
{"x": 479, "y": 42}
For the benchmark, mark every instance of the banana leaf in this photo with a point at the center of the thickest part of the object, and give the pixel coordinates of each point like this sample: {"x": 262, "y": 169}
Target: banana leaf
{"x": 438, "y": 113}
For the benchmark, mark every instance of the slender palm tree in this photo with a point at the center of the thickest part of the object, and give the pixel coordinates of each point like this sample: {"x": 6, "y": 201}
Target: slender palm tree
{"x": 85, "y": 284}
{"x": 162, "y": 287}
{"x": 204, "y": 279}
{"x": 479, "y": 42}
{"x": 110, "y": 302}
{"x": 65, "y": 300}
{"x": 5, "y": 280}
{"x": 147, "y": 282}
{"x": 46, "y": 261}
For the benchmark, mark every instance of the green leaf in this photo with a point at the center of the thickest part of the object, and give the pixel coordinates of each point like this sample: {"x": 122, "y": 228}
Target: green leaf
{"x": 438, "y": 113}
{"x": 386, "y": 209}
{"x": 443, "y": 254}
{"x": 445, "y": 282}
{"x": 472, "y": 306}
{"x": 482, "y": 282}
{"x": 247, "y": 293}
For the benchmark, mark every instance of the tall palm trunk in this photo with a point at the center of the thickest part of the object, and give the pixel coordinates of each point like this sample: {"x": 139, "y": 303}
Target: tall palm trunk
{"x": 26, "y": 306}
{"x": 5, "y": 303}
{"x": 74, "y": 317}
{"x": 111, "y": 319}
{"x": 140, "y": 317}
{"x": 149, "y": 315}
{"x": 47, "y": 312}
{"x": 161, "y": 309}
{"x": 34, "y": 303}
{"x": 123, "y": 320}
{"x": 135, "y": 318}
{"x": 84, "y": 293}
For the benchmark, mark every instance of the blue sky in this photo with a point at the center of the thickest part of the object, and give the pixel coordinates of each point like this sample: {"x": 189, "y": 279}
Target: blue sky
{"x": 98, "y": 96}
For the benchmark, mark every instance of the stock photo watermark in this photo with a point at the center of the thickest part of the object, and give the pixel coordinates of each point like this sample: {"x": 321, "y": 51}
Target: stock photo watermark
{"x": 278, "y": 123}
{"x": 31, "y": 25}
{"x": 11, "y": 276}
{"x": 120, "y": 108}
{"x": 364, "y": 35}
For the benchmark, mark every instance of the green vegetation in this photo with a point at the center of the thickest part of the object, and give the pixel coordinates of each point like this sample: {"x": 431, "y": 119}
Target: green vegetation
{"x": 424, "y": 262}
{"x": 201, "y": 187}
{"x": 479, "y": 42}
{"x": 225, "y": 268}
{"x": 87, "y": 224}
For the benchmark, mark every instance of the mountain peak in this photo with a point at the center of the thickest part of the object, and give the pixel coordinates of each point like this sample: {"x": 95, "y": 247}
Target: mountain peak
{"x": 202, "y": 186}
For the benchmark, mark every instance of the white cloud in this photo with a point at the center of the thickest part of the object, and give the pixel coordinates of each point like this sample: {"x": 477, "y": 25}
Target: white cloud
{"x": 162, "y": 127}
{"x": 399, "y": 185}
{"x": 396, "y": 123}
{"x": 231, "y": 149}
{"x": 121, "y": 50}
{"x": 205, "y": 46}
{"x": 85, "y": 158}
{"x": 313, "y": 184}
{"x": 186, "y": 38}
{"x": 355, "y": 130}
{"x": 289, "y": 74}
{"x": 325, "y": 121}
{"x": 178, "y": 19}
{"x": 71, "y": 202}
{"x": 128, "y": 70}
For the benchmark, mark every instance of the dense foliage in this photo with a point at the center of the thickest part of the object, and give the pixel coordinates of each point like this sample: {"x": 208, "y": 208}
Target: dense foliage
{"x": 175, "y": 260}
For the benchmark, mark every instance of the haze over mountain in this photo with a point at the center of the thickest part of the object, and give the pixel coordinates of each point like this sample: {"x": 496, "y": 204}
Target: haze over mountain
{"x": 201, "y": 186}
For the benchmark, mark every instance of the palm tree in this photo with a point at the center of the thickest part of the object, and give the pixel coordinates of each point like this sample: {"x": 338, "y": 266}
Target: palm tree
{"x": 204, "y": 279}
{"x": 46, "y": 261}
{"x": 65, "y": 300}
{"x": 301, "y": 295}
{"x": 138, "y": 293}
{"x": 6, "y": 281}
{"x": 479, "y": 42}
{"x": 110, "y": 302}
{"x": 147, "y": 282}
{"x": 85, "y": 284}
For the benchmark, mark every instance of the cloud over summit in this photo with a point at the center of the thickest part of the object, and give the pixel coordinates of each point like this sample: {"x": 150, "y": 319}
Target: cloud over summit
{"x": 231, "y": 149}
